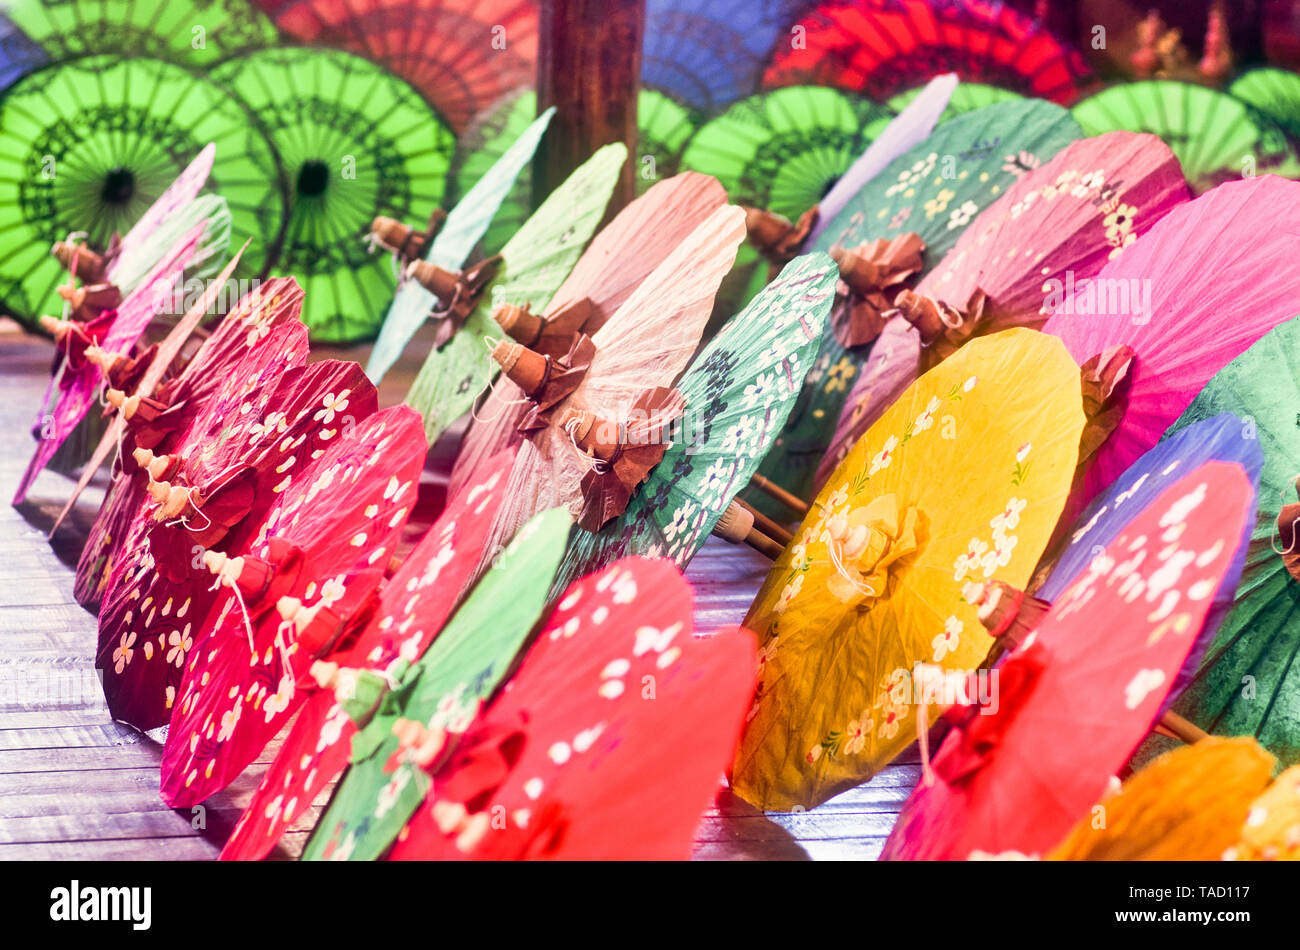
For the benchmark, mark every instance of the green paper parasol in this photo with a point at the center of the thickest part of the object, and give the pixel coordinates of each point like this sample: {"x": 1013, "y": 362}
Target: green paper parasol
{"x": 1273, "y": 92}
{"x": 89, "y": 145}
{"x": 934, "y": 190}
{"x": 1215, "y": 136}
{"x": 663, "y": 128}
{"x": 534, "y": 264}
{"x": 189, "y": 32}
{"x": 1248, "y": 682}
{"x": 464, "y": 665}
{"x": 354, "y": 143}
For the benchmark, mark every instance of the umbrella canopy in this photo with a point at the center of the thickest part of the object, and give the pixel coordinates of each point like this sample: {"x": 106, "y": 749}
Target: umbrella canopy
{"x": 881, "y": 47}
{"x": 1207, "y": 281}
{"x": 1031, "y": 755}
{"x": 1188, "y": 805}
{"x": 573, "y": 758}
{"x": 1248, "y": 683}
{"x": 710, "y": 54}
{"x": 325, "y": 543}
{"x": 1214, "y": 135}
{"x": 534, "y": 263}
{"x": 109, "y": 136}
{"x": 873, "y": 581}
{"x": 71, "y": 396}
{"x": 934, "y": 191}
{"x": 354, "y": 143}
{"x": 457, "y": 237}
{"x": 413, "y": 606}
{"x": 1060, "y": 223}
{"x": 227, "y": 475}
{"x": 967, "y": 97}
{"x": 1273, "y": 92}
{"x": 622, "y": 374}
{"x": 247, "y": 325}
{"x": 738, "y": 392}
{"x": 440, "y": 691}
{"x": 663, "y": 128}
{"x": 620, "y": 257}
{"x": 461, "y": 55}
{"x": 193, "y": 33}
{"x": 1271, "y": 831}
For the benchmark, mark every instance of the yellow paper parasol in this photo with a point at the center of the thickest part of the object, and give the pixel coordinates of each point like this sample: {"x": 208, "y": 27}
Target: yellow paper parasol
{"x": 961, "y": 480}
{"x": 1271, "y": 831}
{"x": 1187, "y": 805}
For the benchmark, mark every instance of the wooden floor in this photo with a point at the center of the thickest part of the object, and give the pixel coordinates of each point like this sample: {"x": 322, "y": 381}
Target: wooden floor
{"x": 74, "y": 784}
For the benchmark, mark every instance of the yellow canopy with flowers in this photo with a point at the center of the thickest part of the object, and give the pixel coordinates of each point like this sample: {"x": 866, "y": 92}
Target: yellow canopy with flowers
{"x": 1271, "y": 831}
{"x": 961, "y": 480}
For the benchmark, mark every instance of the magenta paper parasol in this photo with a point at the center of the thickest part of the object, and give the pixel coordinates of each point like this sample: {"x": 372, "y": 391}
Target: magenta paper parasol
{"x": 77, "y": 396}
{"x": 1211, "y": 278}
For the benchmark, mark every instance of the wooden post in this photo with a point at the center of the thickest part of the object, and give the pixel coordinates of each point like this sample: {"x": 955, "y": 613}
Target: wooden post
{"x": 589, "y": 68}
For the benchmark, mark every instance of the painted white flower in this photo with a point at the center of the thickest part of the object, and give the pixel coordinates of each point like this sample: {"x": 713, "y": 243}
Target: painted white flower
{"x": 681, "y": 521}
{"x": 332, "y": 404}
{"x": 962, "y": 215}
{"x": 970, "y": 559}
{"x": 1022, "y": 453}
{"x": 389, "y": 794}
{"x": 946, "y": 642}
{"x": 789, "y": 593}
{"x": 759, "y": 392}
{"x": 716, "y": 478}
{"x": 882, "y": 458}
{"x": 856, "y": 732}
{"x": 1008, "y": 518}
{"x": 926, "y": 419}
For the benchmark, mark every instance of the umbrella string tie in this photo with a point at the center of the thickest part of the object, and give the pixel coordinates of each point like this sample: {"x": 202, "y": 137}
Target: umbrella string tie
{"x": 243, "y": 608}
{"x": 491, "y": 392}
{"x": 865, "y": 589}
{"x": 1274, "y": 536}
{"x": 184, "y": 520}
{"x": 587, "y": 461}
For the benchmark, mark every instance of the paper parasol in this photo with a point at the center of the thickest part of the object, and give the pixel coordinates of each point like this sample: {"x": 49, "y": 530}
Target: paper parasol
{"x": 463, "y": 228}
{"x": 881, "y": 47}
{"x": 621, "y": 400}
{"x": 738, "y": 391}
{"x": 533, "y": 265}
{"x": 623, "y": 254}
{"x": 308, "y": 581}
{"x": 413, "y": 606}
{"x": 354, "y": 143}
{"x": 1056, "y": 226}
{"x": 610, "y": 740}
{"x": 442, "y": 690}
{"x": 1207, "y": 281}
{"x": 1188, "y": 805}
{"x": 1029, "y": 756}
{"x": 873, "y": 581}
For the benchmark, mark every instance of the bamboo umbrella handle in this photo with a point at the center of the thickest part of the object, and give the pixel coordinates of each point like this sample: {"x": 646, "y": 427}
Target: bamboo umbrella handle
{"x": 737, "y": 526}
{"x": 780, "y": 494}
{"x": 1175, "y": 726}
{"x": 777, "y": 532}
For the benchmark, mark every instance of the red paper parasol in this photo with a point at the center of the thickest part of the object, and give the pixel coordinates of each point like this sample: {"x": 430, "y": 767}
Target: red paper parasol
{"x": 303, "y": 586}
{"x": 1058, "y": 224}
{"x": 1062, "y": 714}
{"x": 264, "y": 434}
{"x": 609, "y": 742}
{"x": 245, "y": 327}
{"x": 461, "y": 55}
{"x": 882, "y": 47}
{"x": 623, "y": 254}
{"x": 413, "y": 606}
